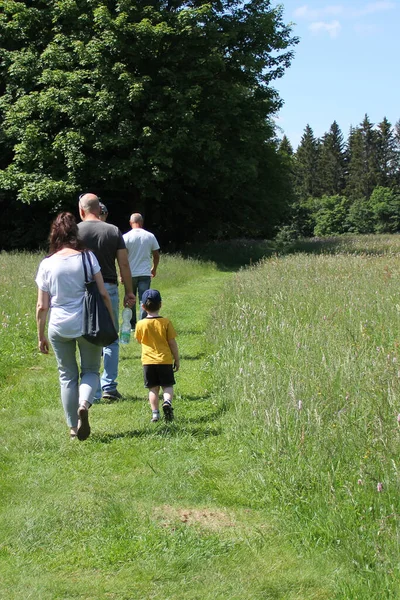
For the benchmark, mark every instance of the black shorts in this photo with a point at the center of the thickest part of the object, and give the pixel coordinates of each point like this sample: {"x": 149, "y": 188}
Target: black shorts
{"x": 155, "y": 375}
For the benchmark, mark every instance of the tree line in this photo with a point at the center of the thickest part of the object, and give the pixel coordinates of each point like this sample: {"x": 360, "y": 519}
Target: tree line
{"x": 164, "y": 107}
{"x": 342, "y": 186}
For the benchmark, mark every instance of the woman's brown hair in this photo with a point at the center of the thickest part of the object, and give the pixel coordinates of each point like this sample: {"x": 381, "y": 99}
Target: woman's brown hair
{"x": 64, "y": 233}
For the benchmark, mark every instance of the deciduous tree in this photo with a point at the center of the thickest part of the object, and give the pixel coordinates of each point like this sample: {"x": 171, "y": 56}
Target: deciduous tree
{"x": 166, "y": 105}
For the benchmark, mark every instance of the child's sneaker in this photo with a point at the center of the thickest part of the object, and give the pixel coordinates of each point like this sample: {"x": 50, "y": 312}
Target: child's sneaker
{"x": 156, "y": 417}
{"x": 168, "y": 411}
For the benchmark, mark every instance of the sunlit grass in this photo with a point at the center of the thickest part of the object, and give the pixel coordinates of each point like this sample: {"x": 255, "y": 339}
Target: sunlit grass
{"x": 265, "y": 486}
{"x": 137, "y": 511}
{"x": 16, "y": 309}
{"x": 382, "y": 244}
{"x": 310, "y": 363}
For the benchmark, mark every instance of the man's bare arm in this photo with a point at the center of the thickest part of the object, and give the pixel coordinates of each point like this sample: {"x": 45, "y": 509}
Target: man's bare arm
{"x": 156, "y": 260}
{"x": 126, "y": 276}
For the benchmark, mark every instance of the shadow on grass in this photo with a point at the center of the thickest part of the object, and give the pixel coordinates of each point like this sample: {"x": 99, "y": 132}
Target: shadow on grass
{"x": 198, "y": 331}
{"x": 125, "y": 398}
{"x": 217, "y": 414}
{"x": 181, "y": 426}
{"x": 329, "y": 245}
{"x": 171, "y": 430}
{"x": 141, "y": 398}
{"x": 195, "y": 357}
{"x": 354, "y": 244}
{"x": 129, "y": 357}
{"x": 230, "y": 255}
{"x": 201, "y": 398}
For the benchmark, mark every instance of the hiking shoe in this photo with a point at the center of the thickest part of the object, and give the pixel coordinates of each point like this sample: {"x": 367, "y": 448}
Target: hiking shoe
{"x": 83, "y": 425}
{"x": 112, "y": 395}
{"x": 168, "y": 411}
{"x": 155, "y": 418}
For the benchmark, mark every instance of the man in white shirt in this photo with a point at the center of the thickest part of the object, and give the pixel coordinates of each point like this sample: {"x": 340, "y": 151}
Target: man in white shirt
{"x": 143, "y": 256}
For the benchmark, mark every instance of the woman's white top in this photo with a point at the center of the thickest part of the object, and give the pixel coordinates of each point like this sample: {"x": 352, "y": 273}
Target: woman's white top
{"x": 64, "y": 279}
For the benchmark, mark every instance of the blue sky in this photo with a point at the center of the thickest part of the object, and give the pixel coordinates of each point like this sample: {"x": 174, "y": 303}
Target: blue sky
{"x": 346, "y": 64}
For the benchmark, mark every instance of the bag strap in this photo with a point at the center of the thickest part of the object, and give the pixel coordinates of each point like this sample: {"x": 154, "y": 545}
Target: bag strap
{"x": 86, "y": 257}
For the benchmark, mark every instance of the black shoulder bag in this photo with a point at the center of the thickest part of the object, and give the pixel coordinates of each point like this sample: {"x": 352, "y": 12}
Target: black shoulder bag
{"x": 98, "y": 327}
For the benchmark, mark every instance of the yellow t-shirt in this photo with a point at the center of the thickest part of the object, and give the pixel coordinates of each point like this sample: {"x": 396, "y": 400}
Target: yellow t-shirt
{"x": 153, "y": 333}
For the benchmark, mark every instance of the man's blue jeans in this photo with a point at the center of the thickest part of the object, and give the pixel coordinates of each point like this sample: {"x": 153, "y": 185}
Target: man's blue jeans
{"x": 139, "y": 285}
{"x": 108, "y": 379}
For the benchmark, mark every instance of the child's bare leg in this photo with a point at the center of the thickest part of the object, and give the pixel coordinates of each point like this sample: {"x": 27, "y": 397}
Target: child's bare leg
{"x": 168, "y": 394}
{"x": 153, "y": 399}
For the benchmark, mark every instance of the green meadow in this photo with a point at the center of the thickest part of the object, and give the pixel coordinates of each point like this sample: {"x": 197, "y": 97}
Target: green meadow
{"x": 278, "y": 479}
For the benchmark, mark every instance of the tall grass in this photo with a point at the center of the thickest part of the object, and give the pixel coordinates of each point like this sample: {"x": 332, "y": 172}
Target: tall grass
{"x": 138, "y": 510}
{"x": 265, "y": 486}
{"x": 18, "y": 346}
{"x": 309, "y": 364}
{"x": 350, "y": 244}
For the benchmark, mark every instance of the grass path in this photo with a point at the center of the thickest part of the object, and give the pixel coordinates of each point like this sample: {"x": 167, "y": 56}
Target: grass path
{"x": 139, "y": 511}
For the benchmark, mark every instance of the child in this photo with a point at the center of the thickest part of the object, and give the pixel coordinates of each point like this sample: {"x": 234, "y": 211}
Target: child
{"x": 160, "y": 356}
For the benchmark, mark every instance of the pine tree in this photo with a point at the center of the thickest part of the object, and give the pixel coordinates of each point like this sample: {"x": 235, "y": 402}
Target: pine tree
{"x": 355, "y": 165}
{"x": 362, "y": 160}
{"x": 332, "y": 162}
{"x": 285, "y": 147}
{"x": 396, "y": 135}
{"x": 370, "y": 138}
{"x": 386, "y": 154}
{"x": 306, "y": 166}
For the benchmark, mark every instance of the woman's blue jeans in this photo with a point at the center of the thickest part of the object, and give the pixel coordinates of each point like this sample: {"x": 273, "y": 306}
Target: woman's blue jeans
{"x": 73, "y": 391}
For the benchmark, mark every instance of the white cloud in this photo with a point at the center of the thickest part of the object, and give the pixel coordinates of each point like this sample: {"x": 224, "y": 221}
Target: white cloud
{"x": 335, "y": 10}
{"x": 333, "y": 28}
{"x": 304, "y": 12}
{"x": 373, "y": 7}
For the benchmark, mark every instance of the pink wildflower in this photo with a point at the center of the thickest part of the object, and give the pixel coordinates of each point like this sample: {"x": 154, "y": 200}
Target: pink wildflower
{"x": 379, "y": 487}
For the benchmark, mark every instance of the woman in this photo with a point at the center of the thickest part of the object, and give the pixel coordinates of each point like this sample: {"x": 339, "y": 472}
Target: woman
{"x": 61, "y": 289}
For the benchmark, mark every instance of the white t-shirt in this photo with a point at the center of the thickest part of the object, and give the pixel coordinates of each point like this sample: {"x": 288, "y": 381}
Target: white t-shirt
{"x": 63, "y": 278}
{"x": 140, "y": 245}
